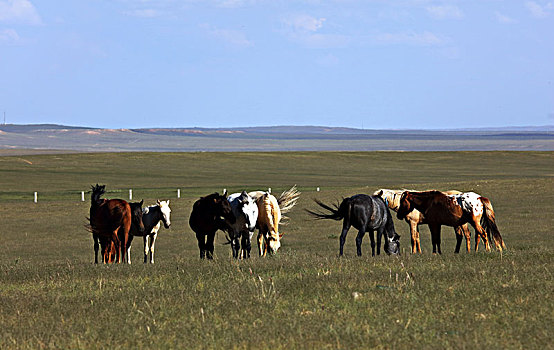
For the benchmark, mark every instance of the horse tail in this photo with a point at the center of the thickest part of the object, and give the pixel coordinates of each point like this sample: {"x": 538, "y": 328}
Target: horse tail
{"x": 489, "y": 223}
{"x": 288, "y": 199}
{"x": 337, "y": 212}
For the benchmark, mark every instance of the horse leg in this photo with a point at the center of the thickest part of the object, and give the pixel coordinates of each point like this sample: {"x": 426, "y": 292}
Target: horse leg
{"x": 479, "y": 230}
{"x": 261, "y": 249}
{"x": 415, "y": 237}
{"x": 436, "y": 238}
{"x": 146, "y": 249}
{"x": 235, "y": 247}
{"x": 467, "y": 235}
{"x": 380, "y": 234}
{"x": 458, "y": 231}
{"x": 477, "y": 240}
{"x": 342, "y": 239}
{"x": 128, "y": 254}
{"x": 152, "y": 244}
{"x": 245, "y": 245}
{"x": 210, "y": 245}
{"x": 96, "y": 246}
{"x": 359, "y": 239}
{"x": 201, "y": 244}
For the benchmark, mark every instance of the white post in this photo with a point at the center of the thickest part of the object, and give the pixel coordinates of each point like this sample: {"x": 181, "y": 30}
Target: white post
{"x": 36, "y": 197}
{"x": 317, "y": 189}
{"x": 269, "y": 190}
{"x": 130, "y": 194}
{"x": 82, "y": 196}
{"x": 178, "y": 193}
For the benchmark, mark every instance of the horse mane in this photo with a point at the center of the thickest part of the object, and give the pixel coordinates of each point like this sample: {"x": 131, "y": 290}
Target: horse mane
{"x": 97, "y": 192}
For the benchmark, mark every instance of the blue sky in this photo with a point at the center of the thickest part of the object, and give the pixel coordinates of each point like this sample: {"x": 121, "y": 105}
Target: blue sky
{"x": 225, "y": 63}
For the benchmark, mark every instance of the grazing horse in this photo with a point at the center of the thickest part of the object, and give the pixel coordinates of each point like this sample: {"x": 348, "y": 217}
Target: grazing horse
{"x": 152, "y": 217}
{"x": 453, "y": 210}
{"x": 270, "y": 210}
{"x": 415, "y": 218}
{"x": 110, "y": 222}
{"x": 209, "y": 214}
{"x": 245, "y": 211}
{"x": 366, "y": 214}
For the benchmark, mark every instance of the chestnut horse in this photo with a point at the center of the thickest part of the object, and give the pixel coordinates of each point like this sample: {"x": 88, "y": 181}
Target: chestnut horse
{"x": 453, "y": 210}
{"x": 416, "y": 218}
{"x": 110, "y": 222}
{"x": 209, "y": 214}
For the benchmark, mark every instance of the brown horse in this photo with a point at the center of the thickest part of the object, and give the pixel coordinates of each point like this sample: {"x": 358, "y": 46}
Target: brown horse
{"x": 110, "y": 222}
{"x": 452, "y": 210}
{"x": 416, "y": 218}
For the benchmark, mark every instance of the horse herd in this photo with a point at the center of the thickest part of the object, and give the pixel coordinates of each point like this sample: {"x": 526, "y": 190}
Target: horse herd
{"x": 114, "y": 222}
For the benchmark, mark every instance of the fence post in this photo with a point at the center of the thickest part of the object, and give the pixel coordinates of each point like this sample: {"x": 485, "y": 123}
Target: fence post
{"x": 130, "y": 194}
{"x": 178, "y": 193}
{"x": 36, "y": 197}
{"x": 82, "y": 196}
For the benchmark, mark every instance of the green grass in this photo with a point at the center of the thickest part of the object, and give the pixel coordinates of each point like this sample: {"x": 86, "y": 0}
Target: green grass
{"x": 52, "y": 296}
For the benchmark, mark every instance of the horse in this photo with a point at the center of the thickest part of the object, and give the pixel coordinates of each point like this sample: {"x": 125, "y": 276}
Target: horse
{"x": 366, "y": 214}
{"x": 270, "y": 214}
{"x": 415, "y": 218}
{"x": 245, "y": 211}
{"x": 209, "y": 214}
{"x": 110, "y": 222}
{"x": 453, "y": 210}
{"x": 152, "y": 217}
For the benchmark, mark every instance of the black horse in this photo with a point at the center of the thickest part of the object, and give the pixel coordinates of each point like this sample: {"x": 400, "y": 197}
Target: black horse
{"x": 366, "y": 214}
{"x": 210, "y": 214}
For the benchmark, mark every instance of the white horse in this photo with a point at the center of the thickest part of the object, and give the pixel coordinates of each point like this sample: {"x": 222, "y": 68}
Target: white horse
{"x": 152, "y": 217}
{"x": 245, "y": 211}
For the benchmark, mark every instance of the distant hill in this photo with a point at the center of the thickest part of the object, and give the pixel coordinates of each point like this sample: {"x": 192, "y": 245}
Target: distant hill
{"x": 41, "y": 137}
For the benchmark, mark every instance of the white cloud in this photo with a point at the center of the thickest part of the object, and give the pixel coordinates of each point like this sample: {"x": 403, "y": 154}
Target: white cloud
{"x": 144, "y": 13}
{"x": 304, "y": 23}
{"x": 9, "y": 36}
{"x": 539, "y": 11}
{"x": 410, "y": 38}
{"x": 503, "y": 18}
{"x": 231, "y": 37}
{"x": 19, "y": 11}
{"x": 305, "y": 29}
{"x": 445, "y": 12}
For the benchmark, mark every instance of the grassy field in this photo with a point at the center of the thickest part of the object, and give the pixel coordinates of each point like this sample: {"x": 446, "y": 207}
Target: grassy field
{"x": 53, "y": 296}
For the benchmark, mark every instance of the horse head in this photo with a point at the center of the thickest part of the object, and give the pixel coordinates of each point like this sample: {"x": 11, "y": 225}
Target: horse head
{"x": 166, "y": 212}
{"x": 136, "y": 215}
{"x": 249, "y": 209}
{"x": 392, "y": 244}
{"x": 405, "y": 206}
{"x": 223, "y": 207}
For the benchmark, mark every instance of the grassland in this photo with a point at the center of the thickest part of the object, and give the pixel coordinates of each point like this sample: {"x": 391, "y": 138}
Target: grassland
{"x": 52, "y": 296}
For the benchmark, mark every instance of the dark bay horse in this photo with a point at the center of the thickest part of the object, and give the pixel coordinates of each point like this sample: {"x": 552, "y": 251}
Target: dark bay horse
{"x": 110, "y": 222}
{"x": 366, "y": 214}
{"x": 208, "y": 215}
{"x": 453, "y": 210}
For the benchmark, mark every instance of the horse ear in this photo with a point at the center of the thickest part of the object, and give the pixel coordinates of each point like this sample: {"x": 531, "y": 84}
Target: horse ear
{"x": 281, "y": 235}
{"x": 158, "y": 201}
{"x": 380, "y": 193}
{"x": 224, "y": 192}
{"x": 141, "y": 201}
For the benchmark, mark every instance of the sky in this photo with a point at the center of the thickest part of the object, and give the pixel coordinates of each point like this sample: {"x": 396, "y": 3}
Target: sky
{"x": 370, "y": 64}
